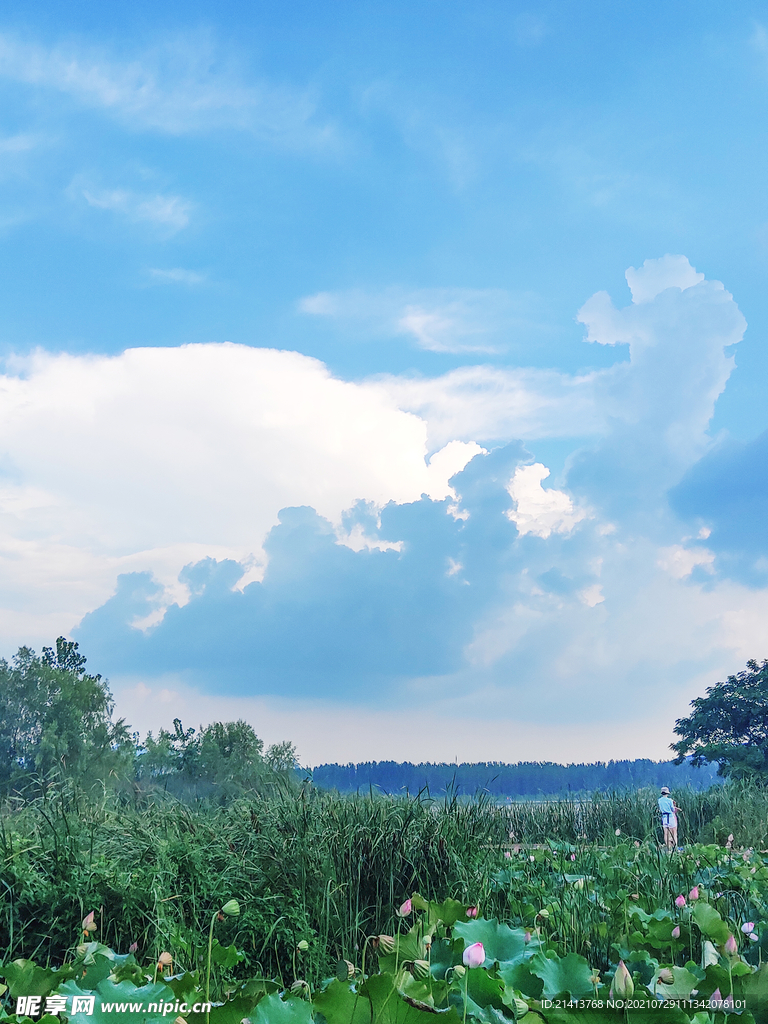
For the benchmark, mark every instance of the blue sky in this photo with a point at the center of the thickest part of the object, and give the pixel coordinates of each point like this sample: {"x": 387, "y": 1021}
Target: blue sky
{"x": 389, "y": 374}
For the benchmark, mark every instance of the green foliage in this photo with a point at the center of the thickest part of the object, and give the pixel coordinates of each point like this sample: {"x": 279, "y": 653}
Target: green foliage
{"x": 729, "y": 726}
{"x": 56, "y": 721}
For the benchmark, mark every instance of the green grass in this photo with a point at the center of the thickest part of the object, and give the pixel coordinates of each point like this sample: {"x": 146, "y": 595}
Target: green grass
{"x": 329, "y": 869}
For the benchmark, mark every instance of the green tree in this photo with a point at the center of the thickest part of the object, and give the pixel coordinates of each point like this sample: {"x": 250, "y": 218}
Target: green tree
{"x": 729, "y": 726}
{"x": 56, "y": 720}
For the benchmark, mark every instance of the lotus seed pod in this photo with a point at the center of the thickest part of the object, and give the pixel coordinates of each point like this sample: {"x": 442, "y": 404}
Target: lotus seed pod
{"x": 82, "y": 950}
{"x": 164, "y": 960}
{"x": 622, "y": 986}
{"x": 420, "y": 970}
{"x": 520, "y": 1008}
{"x": 386, "y": 944}
{"x": 301, "y": 988}
{"x": 180, "y": 1020}
{"x": 578, "y": 884}
{"x": 303, "y": 946}
{"x": 345, "y": 970}
{"x": 666, "y": 977}
{"x": 89, "y": 924}
{"x": 544, "y": 913}
{"x": 459, "y": 971}
{"x": 231, "y": 908}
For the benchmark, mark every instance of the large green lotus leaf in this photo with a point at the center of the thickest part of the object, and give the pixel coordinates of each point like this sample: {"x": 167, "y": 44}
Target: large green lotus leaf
{"x": 231, "y": 1012}
{"x": 710, "y": 923}
{"x": 25, "y": 978}
{"x": 754, "y": 988}
{"x": 448, "y": 912}
{"x": 660, "y": 933}
{"x": 340, "y": 1004}
{"x": 431, "y": 991}
{"x": 225, "y": 956}
{"x": 500, "y": 942}
{"x": 274, "y": 1010}
{"x": 125, "y": 993}
{"x": 445, "y": 953}
{"x": 483, "y": 989}
{"x": 518, "y": 977}
{"x": 389, "y": 1007}
{"x": 96, "y": 971}
{"x": 571, "y": 974}
{"x": 682, "y": 986}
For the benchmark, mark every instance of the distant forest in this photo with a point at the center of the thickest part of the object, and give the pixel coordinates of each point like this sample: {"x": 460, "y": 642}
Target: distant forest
{"x": 530, "y": 779}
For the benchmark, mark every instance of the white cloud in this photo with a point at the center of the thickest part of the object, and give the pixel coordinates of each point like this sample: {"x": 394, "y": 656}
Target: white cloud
{"x": 657, "y": 275}
{"x": 170, "y": 213}
{"x": 537, "y": 511}
{"x": 436, "y": 319}
{"x": 186, "y": 85}
{"x": 158, "y": 457}
{"x": 178, "y": 275}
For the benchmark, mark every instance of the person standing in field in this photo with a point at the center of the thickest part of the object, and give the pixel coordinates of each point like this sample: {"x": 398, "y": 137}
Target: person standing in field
{"x": 669, "y": 811}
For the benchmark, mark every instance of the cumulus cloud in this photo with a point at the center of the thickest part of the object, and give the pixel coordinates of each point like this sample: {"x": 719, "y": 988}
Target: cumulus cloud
{"x": 435, "y": 319}
{"x": 186, "y": 85}
{"x": 157, "y": 457}
{"x": 244, "y": 523}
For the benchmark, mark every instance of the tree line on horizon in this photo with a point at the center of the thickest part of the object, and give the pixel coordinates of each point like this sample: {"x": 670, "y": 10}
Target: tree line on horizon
{"x": 56, "y": 723}
{"x": 527, "y": 779}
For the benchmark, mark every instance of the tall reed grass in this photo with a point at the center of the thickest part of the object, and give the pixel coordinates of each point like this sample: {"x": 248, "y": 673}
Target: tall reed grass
{"x": 304, "y": 864}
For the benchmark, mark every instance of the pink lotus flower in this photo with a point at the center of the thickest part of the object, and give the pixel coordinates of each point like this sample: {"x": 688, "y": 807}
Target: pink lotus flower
{"x": 680, "y": 901}
{"x": 573, "y": 856}
{"x": 133, "y": 947}
{"x": 471, "y": 911}
{"x": 748, "y": 927}
{"x": 694, "y": 893}
{"x": 527, "y": 937}
{"x": 731, "y": 947}
{"x": 405, "y": 909}
{"x": 89, "y": 924}
{"x": 474, "y": 955}
{"x": 676, "y": 932}
{"x": 507, "y": 853}
{"x": 752, "y": 937}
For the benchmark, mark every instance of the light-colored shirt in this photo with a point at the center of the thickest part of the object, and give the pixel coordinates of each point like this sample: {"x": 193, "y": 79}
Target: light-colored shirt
{"x": 667, "y": 808}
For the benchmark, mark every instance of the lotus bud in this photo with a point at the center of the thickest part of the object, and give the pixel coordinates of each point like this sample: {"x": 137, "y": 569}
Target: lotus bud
{"x": 752, "y": 937}
{"x": 578, "y": 884}
{"x": 520, "y": 1007}
{"x": 527, "y": 938}
{"x": 471, "y": 911}
{"x": 405, "y": 909}
{"x": 386, "y": 944}
{"x": 748, "y": 927}
{"x": 89, "y": 924}
{"x": 680, "y": 901}
{"x": 302, "y": 946}
{"x": 676, "y": 932}
{"x": 164, "y": 960}
{"x": 231, "y": 908}
{"x": 345, "y": 970}
{"x": 729, "y": 843}
{"x": 634, "y": 896}
{"x": 694, "y": 893}
{"x": 459, "y": 971}
{"x": 617, "y": 832}
{"x": 666, "y": 977}
{"x": 731, "y": 946}
{"x": 133, "y": 947}
{"x": 507, "y": 854}
{"x": 300, "y": 988}
{"x": 715, "y": 999}
{"x": 420, "y": 970}
{"x": 573, "y": 856}
{"x": 474, "y": 955}
{"x": 622, "y": 986}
